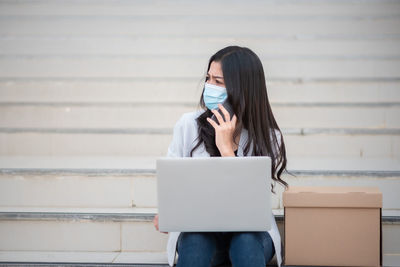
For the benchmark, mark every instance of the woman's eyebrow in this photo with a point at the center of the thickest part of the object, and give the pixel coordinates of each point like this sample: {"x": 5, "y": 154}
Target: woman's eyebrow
{"x": 217, "y": 77}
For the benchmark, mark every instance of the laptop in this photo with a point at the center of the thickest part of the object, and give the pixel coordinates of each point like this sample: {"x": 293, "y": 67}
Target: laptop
{"x": 214, "y": 194}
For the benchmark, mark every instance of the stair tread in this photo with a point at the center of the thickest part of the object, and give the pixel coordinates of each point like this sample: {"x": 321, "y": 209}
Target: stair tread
{"x": 146, "y": 214}
{"x": 84, "y": 257}
{"x": 147, "y": 164}
{"x": 41, "y": 212}
{"x": 77, "y": 162}
{"x": 150, "y": 211}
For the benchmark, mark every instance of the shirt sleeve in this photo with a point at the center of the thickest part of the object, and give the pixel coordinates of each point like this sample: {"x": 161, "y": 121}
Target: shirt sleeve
{"x": 175, "y": 148}
{"x": 278, "y": 137}
{"x": 275, "y": 146}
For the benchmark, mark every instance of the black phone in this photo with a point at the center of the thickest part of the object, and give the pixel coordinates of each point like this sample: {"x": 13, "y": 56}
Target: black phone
{"x": 228, "y": 107}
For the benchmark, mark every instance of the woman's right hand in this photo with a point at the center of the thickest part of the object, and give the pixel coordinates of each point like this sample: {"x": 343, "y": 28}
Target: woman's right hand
{"x": 155, "y": 222}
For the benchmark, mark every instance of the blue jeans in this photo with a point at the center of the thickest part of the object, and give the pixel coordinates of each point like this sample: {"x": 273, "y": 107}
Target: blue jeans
{"x": 207, "y": 249}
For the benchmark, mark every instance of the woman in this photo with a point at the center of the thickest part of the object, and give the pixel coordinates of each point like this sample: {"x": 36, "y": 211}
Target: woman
{"x": 235, "y": 74}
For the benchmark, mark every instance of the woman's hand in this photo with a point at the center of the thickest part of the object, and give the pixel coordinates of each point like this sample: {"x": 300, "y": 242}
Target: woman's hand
{"x": 224, "y": 131}
{"x": 155, "y": 222}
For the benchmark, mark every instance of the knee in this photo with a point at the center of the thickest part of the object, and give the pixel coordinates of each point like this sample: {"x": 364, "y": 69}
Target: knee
{"x": 198, "y": 241}
{"x": 247, "y": 240}
{"x": 195, "y": 249}
{"x": 255, "y": 247}
{"x": 247, "y": 250}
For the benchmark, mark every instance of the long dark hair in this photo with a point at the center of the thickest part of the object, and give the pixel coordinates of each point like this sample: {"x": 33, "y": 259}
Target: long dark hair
{"x": 247, "y": 93}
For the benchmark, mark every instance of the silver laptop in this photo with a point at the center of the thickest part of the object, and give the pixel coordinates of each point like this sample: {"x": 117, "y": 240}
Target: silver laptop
{"x": 220, "y": 194}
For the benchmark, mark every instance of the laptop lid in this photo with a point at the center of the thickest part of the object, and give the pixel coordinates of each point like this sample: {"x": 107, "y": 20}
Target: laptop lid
{"x": 214, "y": 194}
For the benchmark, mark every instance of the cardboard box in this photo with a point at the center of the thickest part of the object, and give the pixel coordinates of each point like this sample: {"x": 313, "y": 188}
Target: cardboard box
{"x": 333, "y": 226}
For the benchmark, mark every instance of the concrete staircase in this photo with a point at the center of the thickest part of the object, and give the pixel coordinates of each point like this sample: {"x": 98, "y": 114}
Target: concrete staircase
{"x": 103, "y": 214}
{"x": 90, "y": 91}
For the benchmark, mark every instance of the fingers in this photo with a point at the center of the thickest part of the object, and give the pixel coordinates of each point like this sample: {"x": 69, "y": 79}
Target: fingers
{"x": 218, "y": 116}
{"x": 234, "y": 120}
{"x": 155, "y": 222}
{"x": 225, "y": 112}
{"x": 227, "y": 121}
{"x": 213, "y": 123}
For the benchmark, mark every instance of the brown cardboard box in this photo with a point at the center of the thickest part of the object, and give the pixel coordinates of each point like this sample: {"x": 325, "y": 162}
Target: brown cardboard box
{"x": 333, "y": 226}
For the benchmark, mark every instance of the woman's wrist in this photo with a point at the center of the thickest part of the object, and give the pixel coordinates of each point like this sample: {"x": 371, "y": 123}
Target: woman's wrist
{"x": 227, "y": 153}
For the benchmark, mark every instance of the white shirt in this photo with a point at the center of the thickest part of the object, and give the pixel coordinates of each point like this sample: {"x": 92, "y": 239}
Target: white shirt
{"x": 184, "y": 139}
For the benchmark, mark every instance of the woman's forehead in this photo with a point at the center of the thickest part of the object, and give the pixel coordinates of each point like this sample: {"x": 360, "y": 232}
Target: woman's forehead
{"x": 215, "y": 69}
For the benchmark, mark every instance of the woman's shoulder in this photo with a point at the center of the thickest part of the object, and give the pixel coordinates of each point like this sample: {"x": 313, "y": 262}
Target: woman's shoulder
{"x": 278, "y": 137}
{"x": 186, "y": 126}
{"x": 277, "y": 133}
{"x": 184, "y": 133}
{"x": 189, "y": 118}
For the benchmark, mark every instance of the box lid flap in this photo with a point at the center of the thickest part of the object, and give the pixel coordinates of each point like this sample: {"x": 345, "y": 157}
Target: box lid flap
{"x": 332, "y": 196}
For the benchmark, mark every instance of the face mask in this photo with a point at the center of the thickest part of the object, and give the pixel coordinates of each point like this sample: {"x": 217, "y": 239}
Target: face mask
{"x": 213, "y": 95}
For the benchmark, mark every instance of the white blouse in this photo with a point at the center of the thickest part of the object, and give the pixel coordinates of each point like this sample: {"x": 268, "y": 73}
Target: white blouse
{"x": 184, "y": 139}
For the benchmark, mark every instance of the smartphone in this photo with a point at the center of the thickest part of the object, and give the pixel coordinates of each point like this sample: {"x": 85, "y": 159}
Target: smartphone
{"x": 228, "y": 107}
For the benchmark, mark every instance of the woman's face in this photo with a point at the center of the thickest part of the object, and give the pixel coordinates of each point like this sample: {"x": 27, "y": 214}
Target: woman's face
{"x": 214, "y": 75}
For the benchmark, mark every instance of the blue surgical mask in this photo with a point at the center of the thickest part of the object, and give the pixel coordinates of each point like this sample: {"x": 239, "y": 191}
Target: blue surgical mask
{"x": 213, "y": 95}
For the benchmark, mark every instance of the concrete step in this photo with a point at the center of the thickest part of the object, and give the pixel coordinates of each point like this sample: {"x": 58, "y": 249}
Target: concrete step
{"x": 159, "y": 115}
{"x": 110, "y": 236}
{"x": 81, "y": 264}
{"x": 197, "y": 46}
{"x": 85, "y": 230}
{"x": 188, "y": 91}
{"x": 190, "y": 67}
{"x": 89, "y": 236}
{"x": 191, "y": 25}
{"x": 325, "y": 8}
{"x": 131, "y": 182}
{"x": 138, "y": 142}
{"x": 131, "y": 257}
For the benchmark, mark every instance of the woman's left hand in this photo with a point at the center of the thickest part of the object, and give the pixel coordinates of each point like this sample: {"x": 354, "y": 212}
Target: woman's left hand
{"x": 224, "y": 131}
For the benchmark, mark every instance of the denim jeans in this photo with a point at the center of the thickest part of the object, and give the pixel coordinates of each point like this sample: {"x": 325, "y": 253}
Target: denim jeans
{"x": 208, "y": 249}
